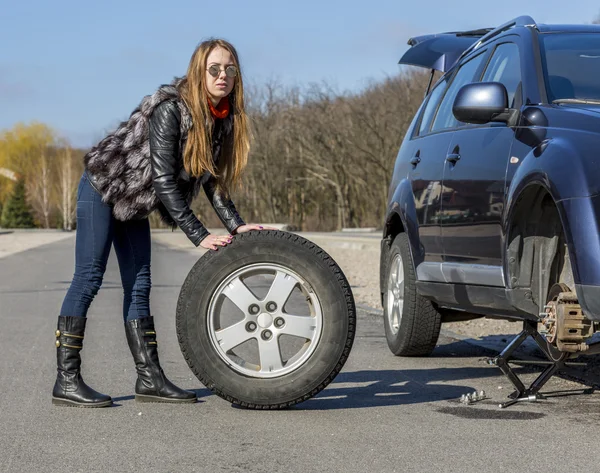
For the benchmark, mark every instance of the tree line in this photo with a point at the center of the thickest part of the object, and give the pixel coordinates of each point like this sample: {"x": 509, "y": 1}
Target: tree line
{"x": 320, "y": 160}
{"x": 39, "y": 172}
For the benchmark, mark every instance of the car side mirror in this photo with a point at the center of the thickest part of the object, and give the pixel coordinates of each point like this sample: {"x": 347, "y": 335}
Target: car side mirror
{"x": 483, "y": 102}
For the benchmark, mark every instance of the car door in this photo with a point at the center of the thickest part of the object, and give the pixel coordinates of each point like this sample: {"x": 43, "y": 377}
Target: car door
{"x": 474, "y": 180}
{"x": 426, "y": 157}
{"x": 429, "y": 151}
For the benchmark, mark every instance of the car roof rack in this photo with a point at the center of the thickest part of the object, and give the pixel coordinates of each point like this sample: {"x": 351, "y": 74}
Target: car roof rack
{"x": 478, "y": 32}
{"x": 524, "y": 20}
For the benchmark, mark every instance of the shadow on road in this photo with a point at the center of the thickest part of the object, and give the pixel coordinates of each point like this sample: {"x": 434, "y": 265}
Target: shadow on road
{"x": 200, "y": 393}
{"x": 359, "y": 389}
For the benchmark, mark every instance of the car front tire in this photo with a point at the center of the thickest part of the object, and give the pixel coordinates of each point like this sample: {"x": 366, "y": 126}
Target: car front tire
{"x": 412, "y": 323}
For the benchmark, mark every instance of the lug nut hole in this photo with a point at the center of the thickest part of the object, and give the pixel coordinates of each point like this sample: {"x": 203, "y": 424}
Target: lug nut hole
{"x": 254, "y": 309}
{"x": 279, "y": 322}
{"x": 250, "y": 326}
{"x": 271, "y": 306}
{"x": 266, "y": 335}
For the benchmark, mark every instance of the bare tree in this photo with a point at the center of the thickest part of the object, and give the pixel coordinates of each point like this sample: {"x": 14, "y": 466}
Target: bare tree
{"x": 66, "y": 184}
{"x": 322, "y": 160}
{"x": 41, "y": 188}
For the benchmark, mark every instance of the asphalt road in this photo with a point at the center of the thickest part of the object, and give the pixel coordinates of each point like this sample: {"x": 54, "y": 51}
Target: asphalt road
{"x": 381, "y": 414}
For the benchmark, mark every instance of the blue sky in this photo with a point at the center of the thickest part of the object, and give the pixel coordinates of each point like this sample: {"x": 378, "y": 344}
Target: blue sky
{"x": 83, "y": 66}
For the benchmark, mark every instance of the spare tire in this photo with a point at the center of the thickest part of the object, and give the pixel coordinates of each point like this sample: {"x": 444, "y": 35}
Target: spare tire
{"x": 267, "y": 321}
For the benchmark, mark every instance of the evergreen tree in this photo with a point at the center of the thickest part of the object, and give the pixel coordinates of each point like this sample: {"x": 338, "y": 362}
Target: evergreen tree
{"x": 16, "y": 213}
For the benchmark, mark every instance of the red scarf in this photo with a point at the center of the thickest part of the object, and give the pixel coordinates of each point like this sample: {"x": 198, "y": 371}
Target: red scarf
{"x": 222, "y": 109}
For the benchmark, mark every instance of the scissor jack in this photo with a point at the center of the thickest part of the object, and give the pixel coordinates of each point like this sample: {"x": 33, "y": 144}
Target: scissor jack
{"x": 556, "y": 361}
{"x": 564, "y": 330}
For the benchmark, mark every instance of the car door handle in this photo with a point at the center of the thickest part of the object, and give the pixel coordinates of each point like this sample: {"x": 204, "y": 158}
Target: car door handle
{"x": 453, "y": 158}
{"x": 416, "y": 160}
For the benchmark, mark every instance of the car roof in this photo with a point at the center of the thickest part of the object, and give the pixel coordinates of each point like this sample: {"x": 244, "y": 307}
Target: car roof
{"x": 568, "y": 28}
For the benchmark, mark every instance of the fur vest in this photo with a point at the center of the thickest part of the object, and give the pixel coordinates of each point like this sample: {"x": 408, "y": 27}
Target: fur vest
{"x": 119, "y": 166}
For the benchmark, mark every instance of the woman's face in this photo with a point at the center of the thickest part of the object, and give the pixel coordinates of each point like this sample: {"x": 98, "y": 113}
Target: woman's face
{"x": 220, "y": 86}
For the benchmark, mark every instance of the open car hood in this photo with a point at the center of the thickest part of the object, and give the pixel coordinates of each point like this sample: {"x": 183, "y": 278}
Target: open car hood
{"x": 439, "y": 51}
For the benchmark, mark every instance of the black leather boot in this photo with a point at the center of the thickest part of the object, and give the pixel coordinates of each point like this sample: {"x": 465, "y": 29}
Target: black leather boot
{"x": 69, "y": 389}
{"x": 152, "y": 385}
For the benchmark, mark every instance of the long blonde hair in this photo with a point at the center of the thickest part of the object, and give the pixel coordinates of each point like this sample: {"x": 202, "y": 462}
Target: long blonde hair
{"x": 197, "y": 156}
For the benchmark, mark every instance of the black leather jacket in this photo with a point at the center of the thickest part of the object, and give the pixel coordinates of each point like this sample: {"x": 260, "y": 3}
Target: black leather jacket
{"x": 173, "y": 185}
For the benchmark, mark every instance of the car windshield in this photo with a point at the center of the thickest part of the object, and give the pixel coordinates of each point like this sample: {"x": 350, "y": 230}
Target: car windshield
{"x": 571, "y": 64}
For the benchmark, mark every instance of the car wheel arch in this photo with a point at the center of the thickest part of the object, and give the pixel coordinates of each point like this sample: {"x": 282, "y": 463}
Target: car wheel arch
{"x": 532, "y": 222}
{"x": 400, "y": 218}
{"x": 402, "y": 204}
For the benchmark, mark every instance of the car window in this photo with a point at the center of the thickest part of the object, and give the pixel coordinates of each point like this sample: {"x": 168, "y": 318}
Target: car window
{"x": 505, "y": 67}
{"x": 445, "y": 118}
{"x": 431, "y": 107}
{"x": 571, "y": 63}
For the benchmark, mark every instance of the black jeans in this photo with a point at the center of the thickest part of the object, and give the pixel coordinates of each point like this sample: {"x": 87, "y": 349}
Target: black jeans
{"x": 97, "y": 231}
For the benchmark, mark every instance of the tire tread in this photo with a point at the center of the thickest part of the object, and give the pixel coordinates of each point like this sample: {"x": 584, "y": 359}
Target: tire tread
{"x": 342, "y": 281}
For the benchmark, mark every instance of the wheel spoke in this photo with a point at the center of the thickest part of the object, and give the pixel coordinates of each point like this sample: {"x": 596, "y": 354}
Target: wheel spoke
{"x": 394, "y": 276}
{"x": 281, "y": 289}
{"x": 240, "y": 295}
{"x": 233, "y": 336}
{"x": 399, "y": 271}
{"x": 395, "y": 316}
{"x": 270, "y": 356}
{"x": 299, "y": 326}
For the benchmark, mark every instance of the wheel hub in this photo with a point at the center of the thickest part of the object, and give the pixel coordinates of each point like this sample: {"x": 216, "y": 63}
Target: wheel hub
{"x": 265, "y": 320}
{"x": 563, "y": 323}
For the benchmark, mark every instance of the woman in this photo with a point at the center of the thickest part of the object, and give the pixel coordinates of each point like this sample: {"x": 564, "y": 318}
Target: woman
{"x": 190, "y": 133}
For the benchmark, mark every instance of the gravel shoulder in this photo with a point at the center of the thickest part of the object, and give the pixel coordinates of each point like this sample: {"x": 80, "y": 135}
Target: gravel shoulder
{"x": 358, "y": 256}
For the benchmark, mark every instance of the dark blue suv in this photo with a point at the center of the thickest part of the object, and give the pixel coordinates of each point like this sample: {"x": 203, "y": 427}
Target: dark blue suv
{"x": 494, "y": 204}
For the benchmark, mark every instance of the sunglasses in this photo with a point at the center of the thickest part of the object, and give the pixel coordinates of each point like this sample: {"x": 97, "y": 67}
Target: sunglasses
{"x": 230, "y": 71}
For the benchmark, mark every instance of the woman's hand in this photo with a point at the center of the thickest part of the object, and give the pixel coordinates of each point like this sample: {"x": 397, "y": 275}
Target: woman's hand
{"x": 212, "y": 242}
{"x": 247, "y": 228}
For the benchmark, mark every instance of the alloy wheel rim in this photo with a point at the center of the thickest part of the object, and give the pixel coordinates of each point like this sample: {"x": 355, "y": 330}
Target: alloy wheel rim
{"x": 395, "y": 294}
{"x": 265, "y": 321}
